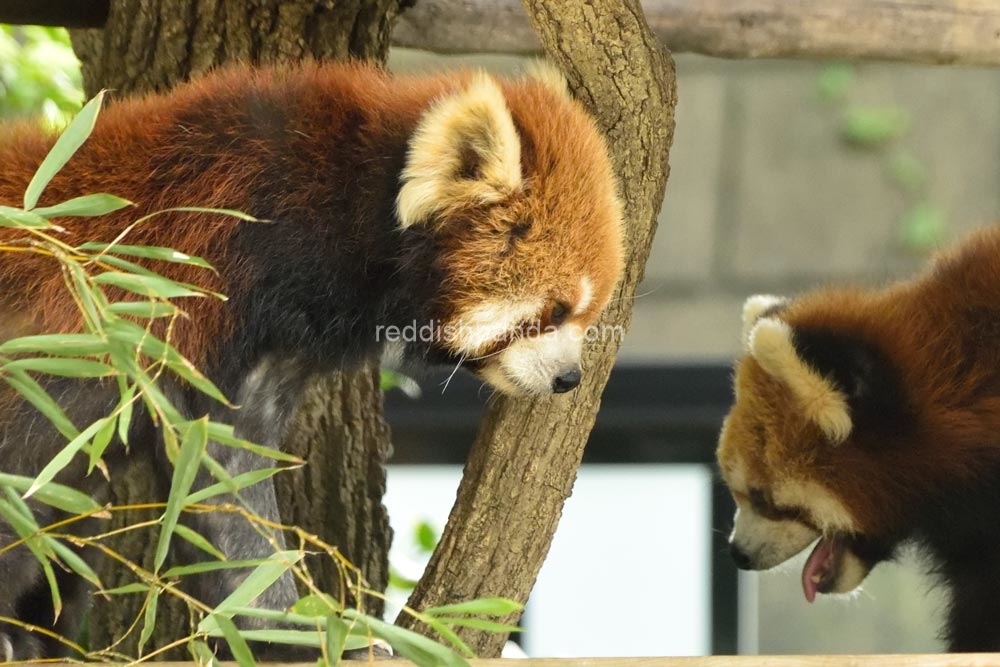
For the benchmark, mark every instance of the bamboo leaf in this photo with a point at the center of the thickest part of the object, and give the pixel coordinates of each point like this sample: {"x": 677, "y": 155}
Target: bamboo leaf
{"x": 87, "y": 206}
{"x": 193, "y": 444}
{"x": 237, "y": 644}
{"x": 149, "y": 618}
{"x": 233, "y": 484}
{"x": 15, "y": 217}
{"x": 127, "y": 589}
{"x": 336, "y": 638}
{"x": 66, "y": 145}
{"x": 59, "y": 345}
{"x": 34, "y": 393}
{"x": 149, "y": 286}
{"x": 146, "y": 252}
{"x": 69, "y": 367}
{"x": 73, "y": 561}
{"x": 195, "y": 538}
{"x": 408, "y": 644}
{"x": 213, "y": 566}
{"x": 147, "y": 310}
{"x": 62, "y": 459}
{"x": 482, "y": 606}
{"x": 258, "y": 581}
{"x": 58, "y": 496}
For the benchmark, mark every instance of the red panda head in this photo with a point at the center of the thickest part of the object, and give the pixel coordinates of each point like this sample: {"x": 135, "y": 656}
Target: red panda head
{"x": 817, "y": 445}
{"x": 515, "y": 184}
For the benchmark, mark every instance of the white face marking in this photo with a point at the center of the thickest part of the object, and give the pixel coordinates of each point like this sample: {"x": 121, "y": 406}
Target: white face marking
{"x": 489, "y": 323}
{"x": 586, "y": 295}
{"x": 530, "y": 365}
{"x": 768, "y": 542}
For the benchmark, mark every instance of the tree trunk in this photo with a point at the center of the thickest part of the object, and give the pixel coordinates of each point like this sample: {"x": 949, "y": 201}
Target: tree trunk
{"x": 525, "y": 458}
{"x": 339, "y": 430}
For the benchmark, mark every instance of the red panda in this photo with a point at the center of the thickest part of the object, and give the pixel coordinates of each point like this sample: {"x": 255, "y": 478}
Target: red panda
{"x": 869, "y": 419}
{"x": 484, "y": 209}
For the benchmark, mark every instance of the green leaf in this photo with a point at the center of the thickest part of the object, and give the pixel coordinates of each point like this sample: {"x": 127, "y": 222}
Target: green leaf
{"x": 146, "y": 310}
{"x": 220, "y": 211}
{"x": 482, "y": 607}
{"x": 19, "y": 517}
{"x": 222, "y": 434}
{"x": 149, "y": 286}
{"x": 336, "y": 638}
{"x": 139, "y": 338}
{"x": 74, "y": 562}
{"x": 195, "y": 538}
{"x": 237, "y": 644}
{"x": 127, "y": 406}
{"x": 15, "y": 217}
{"x": 58, "y": 496}
{"x": 146, "y": 252}
{"x": 127, "y": 589}
{"x": 427, "y": 538}
{"x": 233, "y": 484}
{"x": 31, "y": 391}
{"x": 57, "y": 345}
{"x": 873, "y": 127}
{"x": 193, "y": 444}
{"x": 408, "y": 644}
{"x": 69, "y": 367}
{"x": 477, "y": 623}
{"x": 258, "y": 581}
{"x": 316, "y": 605}
{"x": 65, "y": 455}
{"x": 86, "y": 206}
{"x": 149, "y": 618}
{"x": 213, "y": 566}
{"x": 924, "y": 227}
{"x": 66, "y": 145}
{"x": 835, "y": 81}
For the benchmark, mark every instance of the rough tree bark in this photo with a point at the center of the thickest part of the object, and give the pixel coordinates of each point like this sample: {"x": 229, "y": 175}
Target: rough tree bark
{"x": 525, "y": 458}
{"x": 339, "y": 430}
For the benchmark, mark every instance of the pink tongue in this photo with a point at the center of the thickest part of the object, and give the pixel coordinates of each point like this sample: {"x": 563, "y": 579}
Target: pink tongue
{"x": 819, "y": 566}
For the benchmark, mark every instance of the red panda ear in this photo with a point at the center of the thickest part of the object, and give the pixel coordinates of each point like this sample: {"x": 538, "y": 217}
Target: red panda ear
{"x": 771, "y": 345}
{"x": 465, "y": 151}
{"x": 756, "y": 307}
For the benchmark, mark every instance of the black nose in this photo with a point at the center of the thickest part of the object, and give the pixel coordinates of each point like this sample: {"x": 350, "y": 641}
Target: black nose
{"x": 740, "y": 557}
{"x": 566, "y": 381}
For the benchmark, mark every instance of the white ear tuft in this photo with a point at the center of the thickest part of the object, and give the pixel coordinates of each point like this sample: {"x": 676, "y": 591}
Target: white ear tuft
{"x": 548, "y": 75}
{"x": 754, "y": 307}
{"x": 770, "y": 343}
{"x": 465, "y": 150}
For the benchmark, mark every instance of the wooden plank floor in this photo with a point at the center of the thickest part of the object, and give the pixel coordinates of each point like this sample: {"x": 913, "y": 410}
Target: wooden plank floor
{"x": 900, "y": 660}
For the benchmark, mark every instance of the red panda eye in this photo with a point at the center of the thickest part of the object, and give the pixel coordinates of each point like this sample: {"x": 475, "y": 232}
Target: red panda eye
{"x": 559, "y": 313}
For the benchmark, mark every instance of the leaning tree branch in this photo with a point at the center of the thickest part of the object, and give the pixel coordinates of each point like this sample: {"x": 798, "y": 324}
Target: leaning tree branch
{"x": 523, "y": 464}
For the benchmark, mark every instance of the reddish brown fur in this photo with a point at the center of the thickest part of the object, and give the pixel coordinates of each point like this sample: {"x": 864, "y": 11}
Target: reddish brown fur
{"x": 320, "y": 150}
{"x": 925, "y": 466}
{"x": 940, "y": 332}
{"x": 142, "y": 150}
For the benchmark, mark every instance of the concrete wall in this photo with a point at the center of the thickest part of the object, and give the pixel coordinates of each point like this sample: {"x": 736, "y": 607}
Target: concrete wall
{"x": 764, "y": 195}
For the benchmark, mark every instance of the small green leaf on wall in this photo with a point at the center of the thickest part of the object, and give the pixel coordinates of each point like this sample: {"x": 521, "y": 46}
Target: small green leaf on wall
{"x": 836, "y": 81}
{"x": 872, "y": 127}
{"x": 923, "y": 227}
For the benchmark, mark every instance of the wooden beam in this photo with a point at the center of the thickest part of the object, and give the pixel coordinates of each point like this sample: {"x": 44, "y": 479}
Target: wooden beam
{"x": 925, "y": 31}
{"x": 66, "y": 13}
{"x": 963, "y": 32}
